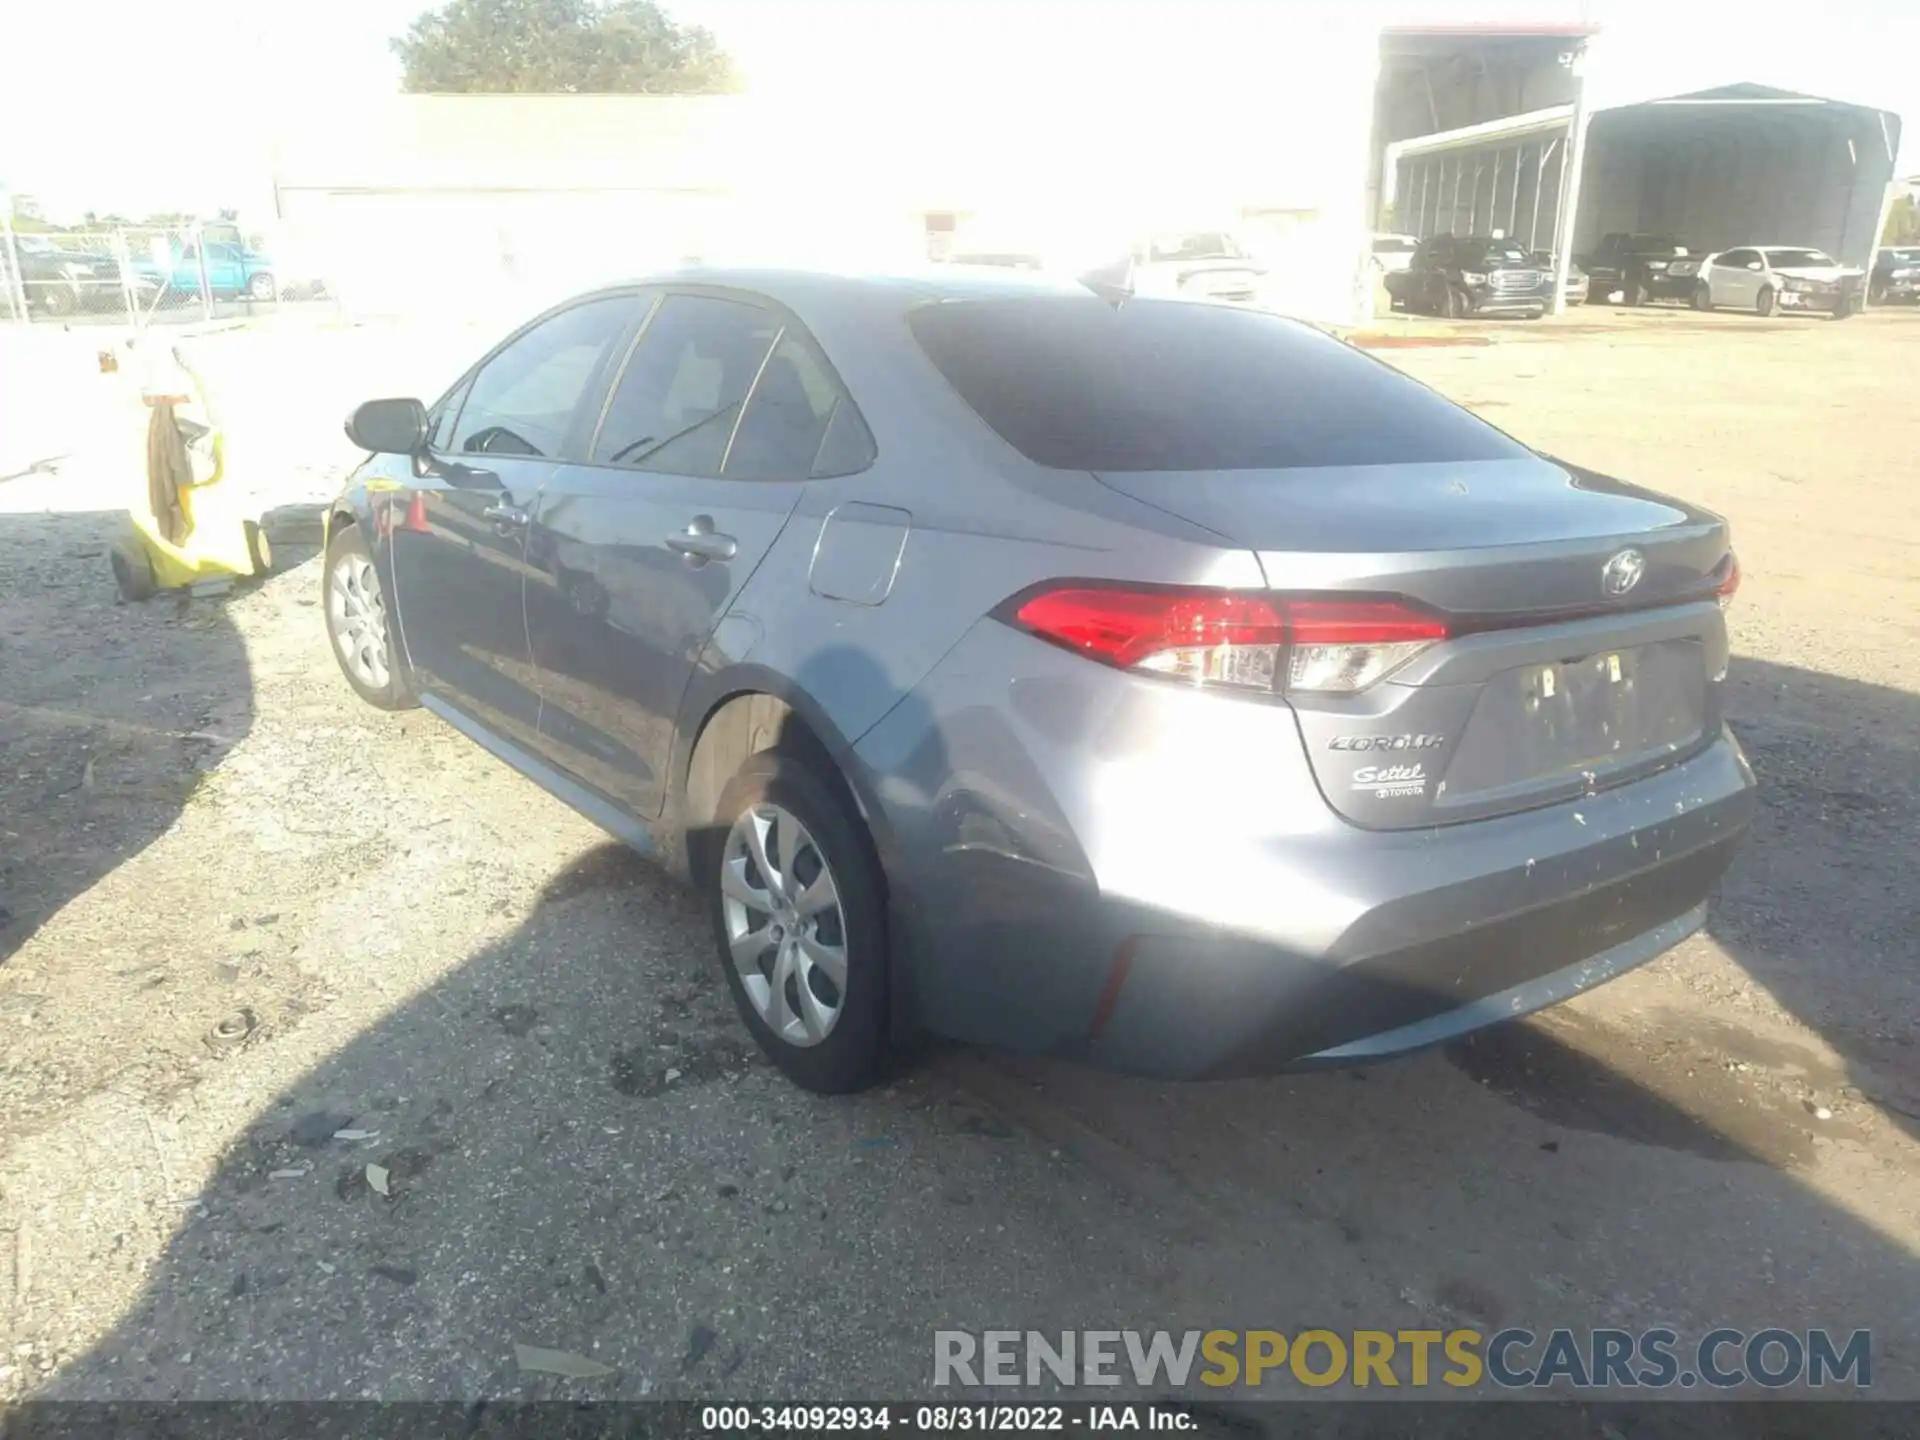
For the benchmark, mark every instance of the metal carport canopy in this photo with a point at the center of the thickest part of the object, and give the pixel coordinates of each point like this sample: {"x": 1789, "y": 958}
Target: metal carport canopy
{"x": 1548, "y": 127}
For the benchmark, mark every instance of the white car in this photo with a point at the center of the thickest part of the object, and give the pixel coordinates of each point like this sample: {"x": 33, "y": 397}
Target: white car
{"x": 1791, "y": 277}
{"x": 1394, "y": 252}
{"x": 1196, "y": 265}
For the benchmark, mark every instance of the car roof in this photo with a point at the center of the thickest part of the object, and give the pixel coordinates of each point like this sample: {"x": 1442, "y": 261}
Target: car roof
{"x": 807, "y": 289}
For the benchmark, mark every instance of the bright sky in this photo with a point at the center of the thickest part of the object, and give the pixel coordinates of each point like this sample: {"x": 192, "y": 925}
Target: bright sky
{"x": 200, "y": 86}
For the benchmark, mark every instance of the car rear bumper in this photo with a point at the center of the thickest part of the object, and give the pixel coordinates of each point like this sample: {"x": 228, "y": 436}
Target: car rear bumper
{"x": 1123, "y": 872}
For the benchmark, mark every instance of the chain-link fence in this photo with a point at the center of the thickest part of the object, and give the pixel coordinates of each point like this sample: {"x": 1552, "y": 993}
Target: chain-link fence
{"x": 144, "y": 275}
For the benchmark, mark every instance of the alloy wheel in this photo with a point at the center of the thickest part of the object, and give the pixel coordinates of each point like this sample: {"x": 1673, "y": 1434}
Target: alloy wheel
{"x": 786, "y": 930}
{"x": 357, "y": 616}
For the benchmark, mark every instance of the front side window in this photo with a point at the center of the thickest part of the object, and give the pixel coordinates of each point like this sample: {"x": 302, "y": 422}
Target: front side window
{"x": 440, "y": 422}
{"x": 677, "y": 402}
{"x": 1160, "y": 385}
{"x": 1739, "y": 259}
{"x": 525, "y": 399}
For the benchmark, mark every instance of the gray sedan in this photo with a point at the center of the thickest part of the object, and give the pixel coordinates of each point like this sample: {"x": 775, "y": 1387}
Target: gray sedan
{"x": 1165, "y": 685}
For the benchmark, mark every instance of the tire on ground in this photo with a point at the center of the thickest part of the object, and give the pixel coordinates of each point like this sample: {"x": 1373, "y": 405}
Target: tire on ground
{"x": 854, "y": 1052}
{"x": 345, "y": 545}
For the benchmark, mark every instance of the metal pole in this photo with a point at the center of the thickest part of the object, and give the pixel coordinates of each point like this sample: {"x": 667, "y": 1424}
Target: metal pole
{"x": 1569, "y": 212}
{"x": 16, "y": 278}
{"x": 1453, "y": 215}
{"x": 206, "y": 285}
{"x": 123, "y": 267}
{"x": 1513, "y": 200}
{"x": 1420, "y": 216}
{"x": 1539, "y": 174}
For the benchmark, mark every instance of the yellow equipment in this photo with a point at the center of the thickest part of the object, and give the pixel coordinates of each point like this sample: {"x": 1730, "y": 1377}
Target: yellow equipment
{"x": 189, "y": 529}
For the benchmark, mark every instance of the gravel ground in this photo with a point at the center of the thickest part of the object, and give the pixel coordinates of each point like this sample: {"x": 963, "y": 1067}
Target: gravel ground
{"x": 258, "y": 938}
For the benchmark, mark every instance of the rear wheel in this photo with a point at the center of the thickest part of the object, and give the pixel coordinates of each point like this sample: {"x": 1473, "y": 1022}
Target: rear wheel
{"x": 132, "y": 572}
{"x": 259, "y": 550}
{"x": 58, "y": 300}
{"x": 799, "y": 923}
{"x": 260, "y": 287}
{"x": 1763, "y": 302}
{"x": 1702, "y": 296}
{"x": 358, "y": 625}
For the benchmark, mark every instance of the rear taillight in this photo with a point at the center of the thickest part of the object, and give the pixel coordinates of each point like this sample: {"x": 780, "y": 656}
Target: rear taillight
{"x": 1319, "y": 644}
{"x": 1729, "y": 581}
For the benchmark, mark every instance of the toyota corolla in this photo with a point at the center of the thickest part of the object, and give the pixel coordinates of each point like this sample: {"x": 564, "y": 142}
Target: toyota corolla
{"x": 1165, "y": 685}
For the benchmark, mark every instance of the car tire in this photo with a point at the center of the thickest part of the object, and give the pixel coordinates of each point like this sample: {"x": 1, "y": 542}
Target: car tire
{"x": 1634, "y": 292}
{"x": 1877, "y": 295}
{"x": 132, "y": 572}
{"x": 1763, "y": 302}
{"x": 57, "y": 301}
{"x": 1703, "y": 296}
{"x": 259, "y": 549}
{"x": 1452, "y": 304}
{"x": 826, "y": 1034}
{"x": 261, "y": 287}
{"x": 360, "y": 629}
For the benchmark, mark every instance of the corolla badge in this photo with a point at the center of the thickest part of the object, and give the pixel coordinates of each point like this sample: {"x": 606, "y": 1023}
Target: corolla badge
{"x": 1623, "y": 572}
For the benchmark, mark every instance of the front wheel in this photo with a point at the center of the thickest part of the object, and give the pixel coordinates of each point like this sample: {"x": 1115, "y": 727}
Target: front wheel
{"x": 1453, "y": 304}
{"x": 800, "y": 925}
{"x": 358, "y": 625}
{"x": 1634, "y": 292}
{"x": 1702, "y": 296}
{"x": 1763, "y": 302}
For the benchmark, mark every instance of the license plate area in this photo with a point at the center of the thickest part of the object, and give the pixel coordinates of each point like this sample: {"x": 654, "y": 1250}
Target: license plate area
{"x": 1584, "y": 719}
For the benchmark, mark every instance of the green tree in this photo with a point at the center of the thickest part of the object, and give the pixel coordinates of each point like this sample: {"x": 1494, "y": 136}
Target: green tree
{"x": 1903, "y": 222}
{"x": 585, "y": 47}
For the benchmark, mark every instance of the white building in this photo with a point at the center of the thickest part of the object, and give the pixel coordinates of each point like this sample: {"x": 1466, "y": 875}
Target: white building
{"x": 1301, "y": 128}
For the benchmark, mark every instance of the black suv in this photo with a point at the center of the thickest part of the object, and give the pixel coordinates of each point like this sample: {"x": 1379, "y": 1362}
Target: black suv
{"x": 1640, "y": 268}
{"x": 1896, "y": 275}
{"x": 1472, "y": 275}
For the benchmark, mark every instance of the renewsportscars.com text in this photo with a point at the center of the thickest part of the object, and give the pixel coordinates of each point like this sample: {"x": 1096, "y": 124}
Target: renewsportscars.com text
{"x": 1656, "y": 1359}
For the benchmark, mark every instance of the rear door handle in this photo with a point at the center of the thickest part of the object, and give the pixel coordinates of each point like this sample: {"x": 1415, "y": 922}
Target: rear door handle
{"x": 699, "y": 542}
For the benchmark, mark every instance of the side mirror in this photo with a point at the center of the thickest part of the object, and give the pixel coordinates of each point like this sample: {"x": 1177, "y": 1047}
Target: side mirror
{"x": 1755, "y": 265}
{"x": 389, "y": 427}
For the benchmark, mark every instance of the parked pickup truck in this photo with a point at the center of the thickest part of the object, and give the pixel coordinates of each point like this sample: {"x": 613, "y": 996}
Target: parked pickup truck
{"x": 1639, "y": 268}
{"x": 231, "y": 271}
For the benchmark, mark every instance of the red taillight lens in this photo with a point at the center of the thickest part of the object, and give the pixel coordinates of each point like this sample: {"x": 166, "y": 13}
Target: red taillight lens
{"x": 1730, "y": 582}
{"x": 1223, "y": 637}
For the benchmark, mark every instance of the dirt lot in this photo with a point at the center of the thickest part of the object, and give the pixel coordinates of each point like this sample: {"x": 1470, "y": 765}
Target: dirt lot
{"x": 243, "y": 913}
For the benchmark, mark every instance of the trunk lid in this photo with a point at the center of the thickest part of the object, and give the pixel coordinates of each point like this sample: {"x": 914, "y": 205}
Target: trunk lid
{"x": 1559, "y": 679}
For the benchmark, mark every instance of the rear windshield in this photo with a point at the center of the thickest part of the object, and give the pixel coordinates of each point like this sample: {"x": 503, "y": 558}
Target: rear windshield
{"x": 1173, "y": 385}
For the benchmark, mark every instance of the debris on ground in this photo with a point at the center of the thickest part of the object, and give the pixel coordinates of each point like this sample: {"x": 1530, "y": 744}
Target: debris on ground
{"x": 560, "y": 1362}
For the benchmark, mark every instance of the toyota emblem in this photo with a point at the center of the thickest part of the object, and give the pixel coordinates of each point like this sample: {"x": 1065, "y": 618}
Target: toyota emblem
{"x": 1623, "y": 572}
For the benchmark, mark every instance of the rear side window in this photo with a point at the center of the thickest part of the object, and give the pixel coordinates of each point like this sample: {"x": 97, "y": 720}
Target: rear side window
{"x": 790, "y": 417}
{"x": 677, "y": 403}
{"x": 1167, "y": 385}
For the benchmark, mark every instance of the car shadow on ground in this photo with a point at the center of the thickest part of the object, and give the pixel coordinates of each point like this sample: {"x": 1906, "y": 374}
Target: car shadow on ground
{"x": 569, "y": 1142}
